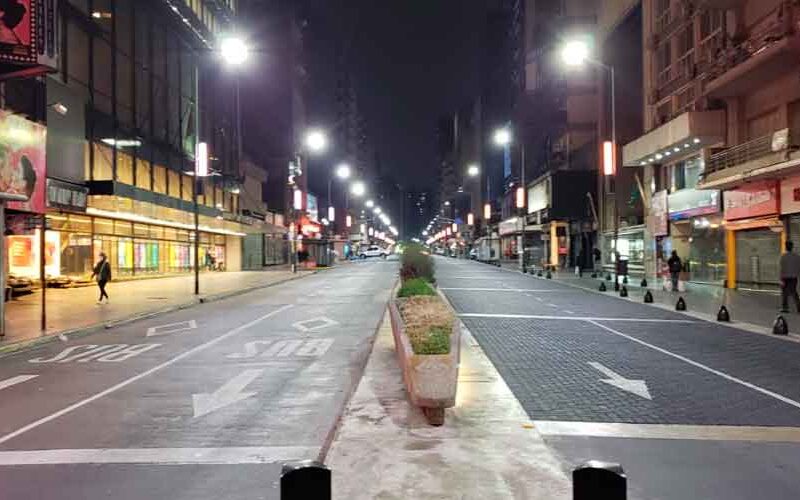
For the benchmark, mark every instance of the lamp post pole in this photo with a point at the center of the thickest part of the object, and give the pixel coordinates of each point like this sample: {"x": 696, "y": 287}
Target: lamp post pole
{"x": 522, "y": 207}
{"x": 196, "y": 178}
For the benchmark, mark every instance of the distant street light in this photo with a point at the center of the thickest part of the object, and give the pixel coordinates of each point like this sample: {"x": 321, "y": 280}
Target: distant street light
{"x": 473, "y": 170}
{"x": 502, "y": 137}
{"x": 316, "y": 141}
{"x": 575, "y": 53}
{"x": 234, "y": 50}
{"x": 377, "y": 210}
{"x": 369, "y": 203}
{"x": 343, "y": 171}
{"x": 358, "y": 188}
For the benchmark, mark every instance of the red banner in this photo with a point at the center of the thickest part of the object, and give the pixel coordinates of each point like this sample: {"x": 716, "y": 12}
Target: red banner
{"x": 752, "y": 200}
{"x": 18, "y": 20}
{"x": 22, "y": 162}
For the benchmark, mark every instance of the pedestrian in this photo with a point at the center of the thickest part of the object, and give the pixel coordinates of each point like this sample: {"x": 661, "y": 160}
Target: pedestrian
{"x": 675, "y": 266}
{"x": 789, "y": 269}
{"x": 103, "y": 272}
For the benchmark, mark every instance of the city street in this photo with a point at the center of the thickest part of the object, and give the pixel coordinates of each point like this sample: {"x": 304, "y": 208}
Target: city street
{"x": 691, "y": 409}
{"x": 202, "y": 403}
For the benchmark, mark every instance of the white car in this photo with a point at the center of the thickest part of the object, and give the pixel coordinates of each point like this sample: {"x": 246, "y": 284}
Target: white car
{"x": 372, "y": 251}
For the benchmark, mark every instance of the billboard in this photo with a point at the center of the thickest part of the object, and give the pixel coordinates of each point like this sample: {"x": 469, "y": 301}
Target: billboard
{"x": 659, "y": 213}
{"x": 752, "y": 200}
{"x": 22, "y": 162}
{"x": 312, "y": 207}
{"x": 29, "y": 33}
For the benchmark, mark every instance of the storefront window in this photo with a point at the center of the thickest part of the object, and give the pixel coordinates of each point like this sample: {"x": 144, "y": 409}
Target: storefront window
{"x": 174, "y": 184}
{"x": 103, "y": 160}
{"x": 159, "y": 179}
{"x": 124, "y": 168}
{"x": 142, "y": 173}
{"x": 187, "y": 187}
{"x": 630, "y": 246}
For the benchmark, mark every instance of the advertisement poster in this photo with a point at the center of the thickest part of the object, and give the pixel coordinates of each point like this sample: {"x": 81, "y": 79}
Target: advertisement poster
{"x": 17, "y": 28}
{"x": 22, "y": 162}
{"x": 313, "y": 207}
{"x": 752, "y": 200}
{"x": 658, "y": 213}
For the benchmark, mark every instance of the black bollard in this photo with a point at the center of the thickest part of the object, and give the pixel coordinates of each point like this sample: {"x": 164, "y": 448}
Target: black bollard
{"x": 779, "y": 327}
{"x": 644, "y": 283}
{"x": 623, "y": 292}
{"x": 680, "y": 305}
{"x": 616, "y": 286}
{"x": 307, "y": 480}
{"x": 594, "y": 275}
{"x": 648, "y": 297}
{"x": 608, "y": 276}
{"x": 602, "y": 287}
{"x": 723, "y": 314}
{"x": 549, "y": 275}
{"x": 625, "y": 280}
{"x": 596, "y": 480}
{"x": 539, "y": 273}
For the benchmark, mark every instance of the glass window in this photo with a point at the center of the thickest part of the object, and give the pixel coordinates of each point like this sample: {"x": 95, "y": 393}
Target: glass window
{"x": 187, "y": 187}
{"x": 124, "y": 168}
{"x": 218, "y": 198}
{"x": 123, "y": 228}
{"x": 80, "y": 223}
{"x": 77, "y": 54}
{"x": 141, "y": 230}
{"x": 170, "y": 233}
{"x": 103, "y": 226}
{"x": 159, "y": 179}
{"x": 143, "y": 173}
{"x": 103, "y": 160}
{"x": 156, "y": 232}
{"x": 102, "y": 75}
{"x": 174, "y": 184}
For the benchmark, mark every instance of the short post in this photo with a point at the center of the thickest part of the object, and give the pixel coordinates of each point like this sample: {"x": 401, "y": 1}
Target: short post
{"x": 595, "y": 480}
{"x": 306, "y": 480}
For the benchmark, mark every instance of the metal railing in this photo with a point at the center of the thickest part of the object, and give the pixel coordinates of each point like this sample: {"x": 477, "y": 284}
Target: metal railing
{"x": 737, "y": 155}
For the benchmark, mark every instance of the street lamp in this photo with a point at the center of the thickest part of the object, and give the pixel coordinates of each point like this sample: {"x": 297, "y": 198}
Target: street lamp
{"x": 473, "y": 170}
{"x": 234, "y": 50}
{"x": 358, "y": 189}
{"x": 577, "y": 53}
{"x": 502, "y": 138}
{"x": 316, "y": 141}
{"x": 369, "y": 204}
{"x": 343, "y": 171}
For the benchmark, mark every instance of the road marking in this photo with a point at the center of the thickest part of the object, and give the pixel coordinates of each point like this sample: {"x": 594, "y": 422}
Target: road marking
{"x": 637, "y": 387}
{"x": 669, "y": 431}
{"x": 160, "y": 456}
{"x": 552, "y": 305}
{"x": 568, "y": 311}
{"x": 314, "y": 324}
{"x": 573, "y": 318}
{"x": 129, "y": 381}
{"x": 4, "y": 384}
{"x": 231, "y": 392}
{"x": 519, "y": 290}
{"x": 472, "y": 277}
{"x": 106, "y": 353}
{"x": 724, "y": 375}
{"x": 181, "y": 326}
{"x": 282, "y": 348}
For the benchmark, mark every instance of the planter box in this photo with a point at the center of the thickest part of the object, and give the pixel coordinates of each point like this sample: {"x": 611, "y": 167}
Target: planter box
{"x": 430, "y": 379}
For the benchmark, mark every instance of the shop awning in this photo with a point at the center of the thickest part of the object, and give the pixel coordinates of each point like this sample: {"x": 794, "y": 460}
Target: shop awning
{"x": 685, "y": 134}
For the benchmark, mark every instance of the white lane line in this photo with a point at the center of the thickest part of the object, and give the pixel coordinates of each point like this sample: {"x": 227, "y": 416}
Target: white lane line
{"x": 540, "y": 299}
{"x": 140, "y": 376}
{"x": 519, "y": 290}
{"x": 669, "y": 431}
{"x": 552, "y": 305}
{"x": 470, "y": 278}
{"x": 574, "y": 318}
{"x": 568, "y": 311}
{"x": 724, "y": 375}
{"x": 162, "y": 456}
{"x": 15, "y": 380}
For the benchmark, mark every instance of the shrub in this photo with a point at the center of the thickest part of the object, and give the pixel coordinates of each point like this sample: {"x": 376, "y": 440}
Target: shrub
{"x": 415, "y": 286}
{"x": 428, "y": 322}
{"x": 416, "y": 263}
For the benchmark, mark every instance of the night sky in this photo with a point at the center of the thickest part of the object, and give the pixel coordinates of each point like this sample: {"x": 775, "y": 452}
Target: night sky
{"x": 413, "y": 60}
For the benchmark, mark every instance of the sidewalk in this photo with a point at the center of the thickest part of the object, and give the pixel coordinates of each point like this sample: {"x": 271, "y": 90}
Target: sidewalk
{"x": 751, "y": 309}
{"x": 71, "y": 309}
{"x": 487, "y": 447}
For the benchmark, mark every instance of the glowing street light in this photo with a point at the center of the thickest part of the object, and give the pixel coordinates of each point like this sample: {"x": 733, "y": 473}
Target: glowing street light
{"x": 234, "y": 50}
{"x": 316, "y": 141}
{"x": 358, "y": 189}
{"x": 377, "y": 210}
{"x": 473, "y": 170}
{"x": 343, "y": 171}
{"x": 575, "y": 53}
{"x": 502, "y": 137}
{"x": 369, "y": 203}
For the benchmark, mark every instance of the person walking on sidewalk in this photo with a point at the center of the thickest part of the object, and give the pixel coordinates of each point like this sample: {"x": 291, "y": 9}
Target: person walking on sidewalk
{"x": 103, "y": 272}
{"x": 675, "y": 266}
{"x": 790, "y": 270}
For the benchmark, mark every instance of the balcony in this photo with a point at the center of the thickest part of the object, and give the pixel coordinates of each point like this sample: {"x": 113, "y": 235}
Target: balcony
{"x": 759, "y": 59}
{"x": 761, "y": 158}
{"x": 684, "y": 135}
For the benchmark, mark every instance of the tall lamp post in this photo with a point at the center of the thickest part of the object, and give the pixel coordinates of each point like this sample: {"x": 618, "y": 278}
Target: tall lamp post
{"x": 503, "y": 138}
{"x": 234, "y": 52}
{"x": 576, "y": 53}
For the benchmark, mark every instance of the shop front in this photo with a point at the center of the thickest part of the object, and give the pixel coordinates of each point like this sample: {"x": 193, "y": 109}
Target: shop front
{"x": 755, "y": 235}
{"x": 697, "y": 234}
{"x": 629, "y": 244}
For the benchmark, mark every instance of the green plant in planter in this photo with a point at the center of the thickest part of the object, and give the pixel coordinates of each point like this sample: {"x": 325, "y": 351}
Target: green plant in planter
{"x": 437, "y": 341}
{"x": 416, "y": 263}
{"x": 414, "y": 287}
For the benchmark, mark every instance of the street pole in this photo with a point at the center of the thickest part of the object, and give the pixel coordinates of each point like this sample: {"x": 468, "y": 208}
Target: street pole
{"x": 196, "y": 178}
{"x": 616, "y": 188}
{"x": 524, "y": 195}
{"x": 3, "y": 267}
{"x": 43, "y": 273}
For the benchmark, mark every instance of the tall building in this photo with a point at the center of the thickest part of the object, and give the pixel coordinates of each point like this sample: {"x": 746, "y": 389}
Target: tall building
{"x": 719, "y": 152}
{"x": 108, "y": 149}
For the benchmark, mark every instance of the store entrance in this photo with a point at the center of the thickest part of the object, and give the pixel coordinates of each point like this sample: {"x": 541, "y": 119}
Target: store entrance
{"x": 757, "y": 255}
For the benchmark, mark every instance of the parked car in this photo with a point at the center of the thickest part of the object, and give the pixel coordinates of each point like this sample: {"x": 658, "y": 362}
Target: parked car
{"x": 473, "y": 254}
{"x": 372, "y": 251}
{"x": 17, "y": 285}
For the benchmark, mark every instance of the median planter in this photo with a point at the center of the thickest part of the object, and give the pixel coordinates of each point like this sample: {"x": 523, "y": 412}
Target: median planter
{"x": 430, "y": 379}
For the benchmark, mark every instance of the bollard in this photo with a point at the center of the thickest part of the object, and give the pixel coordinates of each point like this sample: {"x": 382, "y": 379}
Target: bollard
{"x": 779, "y": 327}
{"x": 648, "y": 297}
{"x": 608, "y": 276}
{"x": 595, "y": 480}
{"x": 549, "y": 275}
{"x": 623, "y": 292}
{"x": 680, "y": 305}
{"x": 306, "y": 480}
{"x": 644, "y": 283}
{"x": 602, "y": 287}
{"x": 539, "y": 273}
{"x": 616, "y": 286}
{"x": 594, "y": 275}
{"x": 624, "y": 280}
{"x": 723, "y": 314}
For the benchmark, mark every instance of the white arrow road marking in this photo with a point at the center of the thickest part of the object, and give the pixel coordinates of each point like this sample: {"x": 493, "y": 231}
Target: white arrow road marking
{"x": 4, "y": 384}
{"x": 638, "y": 387}
{"x": 181, "y": 326}
{"x": 228, "y": 394}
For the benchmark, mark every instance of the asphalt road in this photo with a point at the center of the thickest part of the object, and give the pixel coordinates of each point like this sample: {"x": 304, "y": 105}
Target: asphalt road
{"x": 691, "y": 409}
{"x": 203, "y": 403}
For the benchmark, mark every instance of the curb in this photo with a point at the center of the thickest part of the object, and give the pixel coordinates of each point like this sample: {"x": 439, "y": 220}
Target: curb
{"x": 330, "y": 437}
{"x": 88, "y": 330}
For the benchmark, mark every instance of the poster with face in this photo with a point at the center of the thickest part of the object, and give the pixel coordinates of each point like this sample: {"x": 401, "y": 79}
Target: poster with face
{"x": 22, "y": 162}
{"x": 17, "y": 26}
